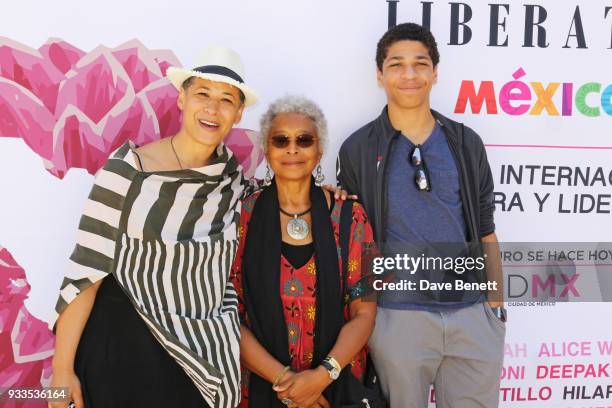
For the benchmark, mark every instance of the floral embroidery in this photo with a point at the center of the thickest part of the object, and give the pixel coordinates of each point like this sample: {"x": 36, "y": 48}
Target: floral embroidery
{"x": 309, "y": 357}
{"x": 249, "y": 203}
{"x": 293, "y": 287}
{"x": 352, "y": 265}
{"x": 335, "y": 215}
{"x": 311, "y": 269}
{"x": 356, "y": 291}
{"x": 289, "y": 267}
{"x": 293, "y": 331}
{"x": 358, "y": 232}
{"x": 311, "y": 313}
{"x": 293, "y": 309}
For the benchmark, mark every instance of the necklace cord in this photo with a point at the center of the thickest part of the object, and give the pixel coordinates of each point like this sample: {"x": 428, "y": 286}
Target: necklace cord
{"x": 175, "y": 154}
{"x": 294, "y": 215}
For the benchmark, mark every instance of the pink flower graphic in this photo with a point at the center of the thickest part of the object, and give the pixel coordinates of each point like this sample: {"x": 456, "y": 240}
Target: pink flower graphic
{"x": 26, "y": 344}
{"x": 74, "y": 108}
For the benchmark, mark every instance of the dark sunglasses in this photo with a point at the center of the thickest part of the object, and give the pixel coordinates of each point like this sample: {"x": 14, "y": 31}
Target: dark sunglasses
{"x": 282, "y": 141}
{"x": 421, "y": 175}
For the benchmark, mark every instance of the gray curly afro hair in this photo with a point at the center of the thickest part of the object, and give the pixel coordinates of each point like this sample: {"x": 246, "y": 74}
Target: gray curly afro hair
{"x": 294, "y": 104}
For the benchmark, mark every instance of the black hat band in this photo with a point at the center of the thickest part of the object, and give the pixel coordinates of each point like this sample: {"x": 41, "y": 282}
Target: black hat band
{"x": 219, "y": 70}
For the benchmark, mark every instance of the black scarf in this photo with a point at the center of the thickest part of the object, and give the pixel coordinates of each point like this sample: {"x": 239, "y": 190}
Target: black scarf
{"x": 261, "y": 285}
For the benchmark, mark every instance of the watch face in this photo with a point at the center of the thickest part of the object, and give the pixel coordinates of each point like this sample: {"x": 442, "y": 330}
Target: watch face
{"x": 334, "y": 374}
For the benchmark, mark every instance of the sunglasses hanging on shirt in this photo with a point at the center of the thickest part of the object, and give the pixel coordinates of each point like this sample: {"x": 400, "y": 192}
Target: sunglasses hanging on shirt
{"x": 421, "y": 174}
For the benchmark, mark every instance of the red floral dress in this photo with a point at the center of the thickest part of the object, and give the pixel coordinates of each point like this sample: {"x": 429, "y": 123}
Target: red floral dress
{"x": 297, "y": 289}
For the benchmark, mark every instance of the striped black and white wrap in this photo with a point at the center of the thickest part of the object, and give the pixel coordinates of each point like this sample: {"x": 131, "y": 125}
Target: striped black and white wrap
{"x": 169, "y": 238}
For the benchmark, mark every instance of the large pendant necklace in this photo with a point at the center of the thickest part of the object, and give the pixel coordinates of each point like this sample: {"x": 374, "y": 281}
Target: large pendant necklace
{"x": 297, "y": 228}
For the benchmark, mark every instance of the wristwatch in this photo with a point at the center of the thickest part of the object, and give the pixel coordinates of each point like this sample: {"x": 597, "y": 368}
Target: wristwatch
{"x": 500, "y": 313}
{"x": 332, "y": 366}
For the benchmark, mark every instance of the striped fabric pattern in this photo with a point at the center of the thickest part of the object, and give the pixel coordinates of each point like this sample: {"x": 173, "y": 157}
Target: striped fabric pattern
{"x": 169, "y": 238}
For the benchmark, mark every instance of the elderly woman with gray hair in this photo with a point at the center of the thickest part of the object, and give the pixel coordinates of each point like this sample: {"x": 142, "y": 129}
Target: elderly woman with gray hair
{"x": 303, "y": 318}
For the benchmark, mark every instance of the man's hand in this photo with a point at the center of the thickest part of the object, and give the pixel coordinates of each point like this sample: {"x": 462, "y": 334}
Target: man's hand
{"x": 493, "y": 269}
{"x": 495, "y": 304}
{"x": 339, "y": 193}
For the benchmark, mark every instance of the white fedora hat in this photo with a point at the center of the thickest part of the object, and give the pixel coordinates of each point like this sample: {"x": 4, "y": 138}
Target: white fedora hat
{"x": 219, "y": 64}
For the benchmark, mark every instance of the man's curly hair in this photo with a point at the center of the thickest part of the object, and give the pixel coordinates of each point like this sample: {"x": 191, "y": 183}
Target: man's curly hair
{"x": 407, "y": 31}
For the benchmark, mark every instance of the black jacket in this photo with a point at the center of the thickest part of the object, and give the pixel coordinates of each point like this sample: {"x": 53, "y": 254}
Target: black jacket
{"x": 361, "y": 169}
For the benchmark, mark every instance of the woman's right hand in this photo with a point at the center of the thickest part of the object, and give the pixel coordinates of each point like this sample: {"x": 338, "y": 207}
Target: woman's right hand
{"x": 284, "y": 378}
{"x": 67, "y": 379}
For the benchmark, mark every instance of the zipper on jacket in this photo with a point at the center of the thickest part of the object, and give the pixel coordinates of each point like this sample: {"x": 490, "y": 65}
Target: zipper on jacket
{"x": 382, "y": 185}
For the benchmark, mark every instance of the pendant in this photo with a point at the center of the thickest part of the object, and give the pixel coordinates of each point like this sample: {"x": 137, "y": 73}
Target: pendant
{"x": 297, "y": 228}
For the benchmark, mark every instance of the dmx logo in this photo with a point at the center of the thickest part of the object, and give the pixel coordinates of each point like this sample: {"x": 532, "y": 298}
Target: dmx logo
{"x": 552, "y": 286}
{"x": 521, "y": 97}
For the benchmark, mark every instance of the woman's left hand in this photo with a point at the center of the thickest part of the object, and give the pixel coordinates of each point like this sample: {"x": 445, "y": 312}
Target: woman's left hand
{"x": 339, "y": 193}
{"x": 304, "y": 388}
{"x": 321, "y": 403}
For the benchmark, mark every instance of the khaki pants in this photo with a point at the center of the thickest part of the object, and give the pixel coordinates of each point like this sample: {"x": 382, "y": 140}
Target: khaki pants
{"x": 459, "y": 351}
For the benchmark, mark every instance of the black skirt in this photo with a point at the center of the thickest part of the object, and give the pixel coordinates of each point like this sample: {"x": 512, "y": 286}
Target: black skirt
{"x": 121, "y": 365}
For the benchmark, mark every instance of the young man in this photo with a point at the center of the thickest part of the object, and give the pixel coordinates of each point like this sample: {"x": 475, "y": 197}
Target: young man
{"x": 425, "y": 179}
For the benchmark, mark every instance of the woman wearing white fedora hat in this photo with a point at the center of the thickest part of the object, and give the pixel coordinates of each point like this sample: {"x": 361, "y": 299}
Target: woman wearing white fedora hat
{"x": 146, "y": 316}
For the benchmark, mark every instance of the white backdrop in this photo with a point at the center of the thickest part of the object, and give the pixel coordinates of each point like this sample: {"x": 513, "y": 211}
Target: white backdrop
{"x": 325, "y": 50}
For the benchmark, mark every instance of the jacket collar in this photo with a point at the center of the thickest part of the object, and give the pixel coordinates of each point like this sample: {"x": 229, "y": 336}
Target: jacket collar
{"x": 387, "y": 129}
{"x": 451, "y": 128}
